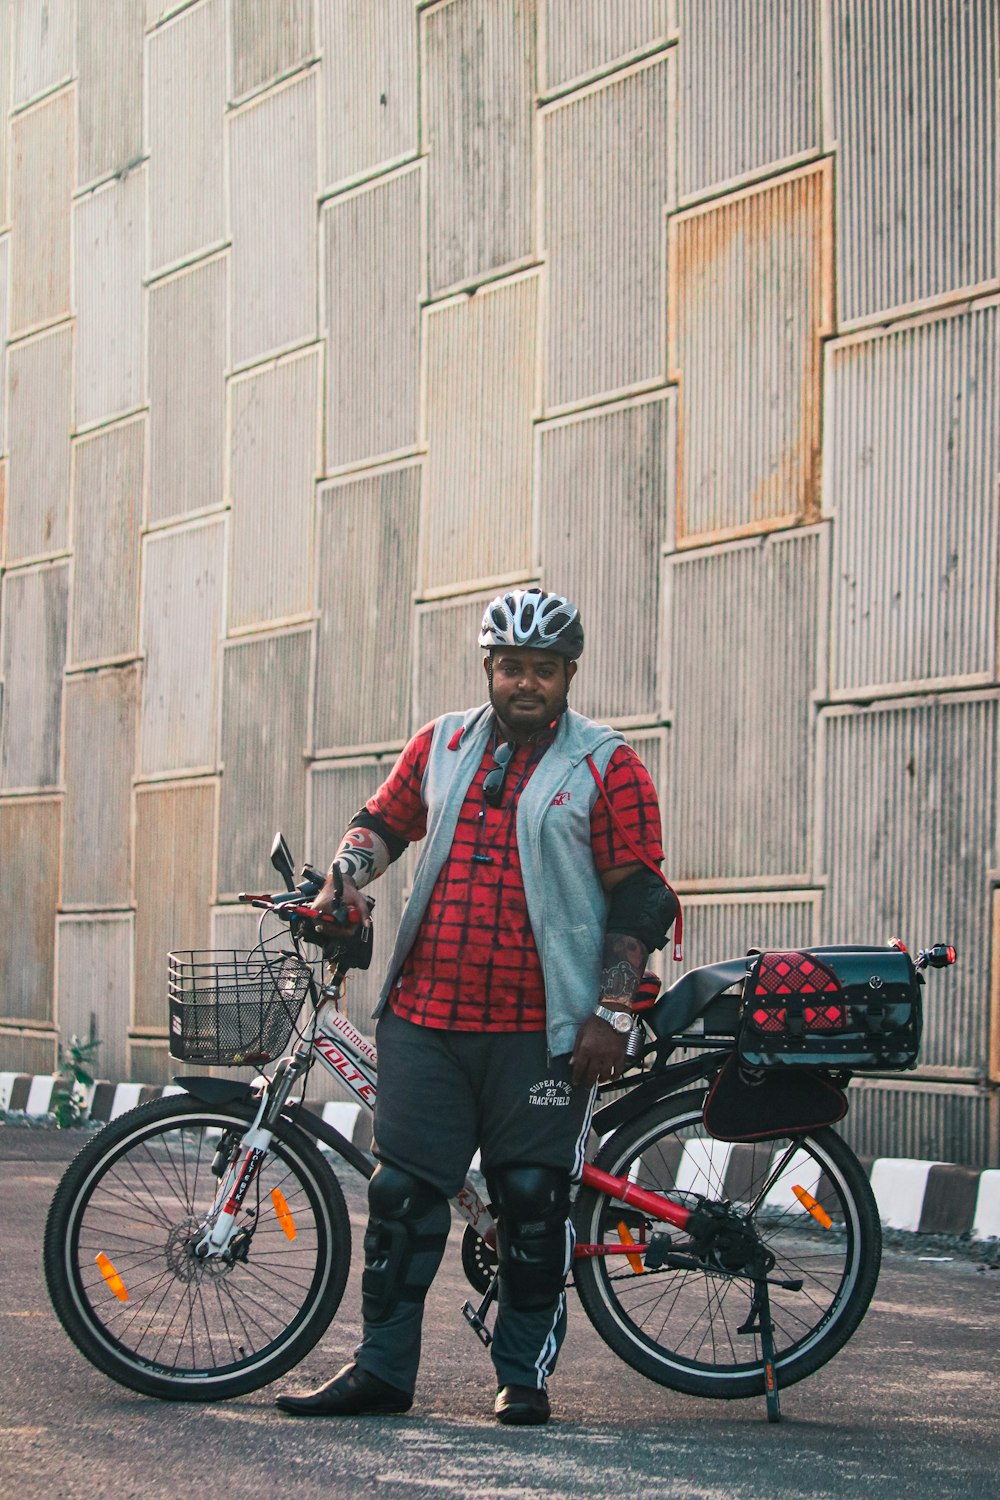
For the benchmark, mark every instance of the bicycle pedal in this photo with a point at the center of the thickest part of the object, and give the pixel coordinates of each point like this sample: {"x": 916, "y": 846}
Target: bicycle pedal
{"x": 477, "y": 1325}
{"x": 788, "y": 1286}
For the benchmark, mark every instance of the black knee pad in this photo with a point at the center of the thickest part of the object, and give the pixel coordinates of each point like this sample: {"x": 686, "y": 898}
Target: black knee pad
{"x": 405, "y": 1216}
{"x": 534, "y": 1237}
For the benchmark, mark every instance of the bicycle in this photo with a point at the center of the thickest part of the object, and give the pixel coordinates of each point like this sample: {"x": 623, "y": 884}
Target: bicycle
{"x": 199, "y": 1246}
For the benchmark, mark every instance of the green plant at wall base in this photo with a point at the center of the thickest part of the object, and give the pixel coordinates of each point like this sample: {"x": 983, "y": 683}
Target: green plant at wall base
{"x": 75, "y": 1078}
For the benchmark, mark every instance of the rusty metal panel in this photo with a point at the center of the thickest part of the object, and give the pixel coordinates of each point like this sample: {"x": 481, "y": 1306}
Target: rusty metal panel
{"x": 912, "y": 459}
{"x": 4, "y": 283}
{"x": 918, "y": 204}
{"x": 186, "y": 103}
{"x": 607, "y": 157}
{"x": 274, "y": 177}
{"x": 184, "y": 575}
{"x": 94, "y": 986}
{"x": 274, "y": 456}
{"x": 29, "y": 1051}
{"x": 926, "y": 1121}
{"x": 478, "y": 69}
{"x": 40, "y": 416}
{"x": 187, "y": 390}
{"x": 750, "y": 285}
{"x": 910, "y": 849}
{"x": 42, "y": 54}
{"x": 109, "y": 51}
{"x": 268, "y": 38}
{"x": 33, "y": 656}
{"x": 99, "y": 752}
{"x": 108, "y": 477}
{"x": 335, "y": 794}
{"x": 744, "y": 623}
{"x": 605, "y": 480}
{"x": 29, "y": 886}
{"x": 366, "y": 568}
{"x": 480, "y": 384}
{"x": 109, "y": 232}
{"x": 369, "y": 84}
{"x": 42, "y": 176}
{"x": 747, "y": 87}
{"x": 373, "y": 279}
{"x": 580, "y": 37}
{"x": 174, "y": 868}
{"x": 448, "y": 672}
{"x": 265, "y": 735}
{"x": 725, "y": 926}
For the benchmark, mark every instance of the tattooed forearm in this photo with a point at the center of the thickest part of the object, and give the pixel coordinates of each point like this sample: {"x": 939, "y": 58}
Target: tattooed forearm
{"x": 362, "y": 856}
{"x": 624, "y": 961}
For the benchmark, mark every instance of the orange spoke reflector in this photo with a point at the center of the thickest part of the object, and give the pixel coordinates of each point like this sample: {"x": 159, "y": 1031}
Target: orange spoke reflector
{"x": 809, "y": 1203}
{"x": 112, "y": 1277}
{"x": 635, "y": 1261}
{"x": 284, "y": 1213}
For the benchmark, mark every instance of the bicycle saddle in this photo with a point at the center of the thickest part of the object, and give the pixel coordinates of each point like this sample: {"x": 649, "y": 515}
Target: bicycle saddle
{"x": 678, "y": 1006}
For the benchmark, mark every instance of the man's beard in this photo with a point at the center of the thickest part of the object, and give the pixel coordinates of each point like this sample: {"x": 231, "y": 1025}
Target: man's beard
{"x": 549, "y": 712}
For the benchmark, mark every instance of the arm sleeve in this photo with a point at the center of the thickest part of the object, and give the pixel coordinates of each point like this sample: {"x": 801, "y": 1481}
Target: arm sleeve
{"x": 633, "y": 796}
{"x": 398, "y": 804}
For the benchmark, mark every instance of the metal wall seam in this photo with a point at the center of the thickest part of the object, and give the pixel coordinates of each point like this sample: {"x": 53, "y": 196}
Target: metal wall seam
{"x": 480, "y": 376}
{"x": 40, "y": 418}
{"x": 94, "y": 985}
{"x": 33, "y": 621}
{"x": 109, "y": 252}
{"x": 185, "y": 114}
{"x": 43, "y": 172}
{"x": 741, "y": 742}
{"x": 581, "y": 39}
{"x": 100, "y": 709}
{"x": 605, "y": 481}
{"x": 109, "y": 52}
{"x": 370, "y": 91}
{"x": 186, "y": 363}
{"x": 724, "y": 925}
{"x": 478, "y": 118}
{"x": 29, "y": 886}
{"x": 750, "y": 301}
{"x": 372, "y": 284}
{"x": 274, "y": 176}
{"x": 917, "y": 206}
{"x": 994, "y": 1038}
{"x": 606, "y": 178}
{"x": 274, "y": 456}
{"x": 447, "y": 667}
{"x": 4, "y": 284}
{"x": 5, "y": 82}
{"x": 182, "y": 623}
{"x": 109, "y": 473}
{"x": 174, "y": 879}
{"x": 366, "y": 555}
{"x": 267, "y": 39}
{"x": 926, "y": 1121}
{"x": 913, "y": 445}
{"x": 265, "y": 741}
{"x": 757, "y": 62}
{"x": 912, "y": 846}
{"x": 335, "y": 794}
{"x": 42, "y": 53}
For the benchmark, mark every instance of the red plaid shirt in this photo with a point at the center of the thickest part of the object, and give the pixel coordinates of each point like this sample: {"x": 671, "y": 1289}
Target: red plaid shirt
{"x": 474, "y": 965}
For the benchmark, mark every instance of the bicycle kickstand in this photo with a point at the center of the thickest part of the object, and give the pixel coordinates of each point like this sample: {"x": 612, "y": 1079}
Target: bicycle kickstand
{"x": 759, "y": 1321}
{"x": 476, "y": 1316}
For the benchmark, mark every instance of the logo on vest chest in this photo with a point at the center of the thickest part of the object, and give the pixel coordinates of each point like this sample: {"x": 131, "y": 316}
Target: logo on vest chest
{"x": 560, "y": 799}
{"x": 550, "y": 1093}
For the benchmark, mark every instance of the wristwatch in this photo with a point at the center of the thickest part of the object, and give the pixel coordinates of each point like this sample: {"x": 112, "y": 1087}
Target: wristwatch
{"x": 619, "y": 1020}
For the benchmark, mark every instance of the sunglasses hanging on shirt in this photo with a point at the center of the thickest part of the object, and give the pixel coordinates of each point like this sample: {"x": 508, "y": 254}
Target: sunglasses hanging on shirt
{"x": 495, "y": 780}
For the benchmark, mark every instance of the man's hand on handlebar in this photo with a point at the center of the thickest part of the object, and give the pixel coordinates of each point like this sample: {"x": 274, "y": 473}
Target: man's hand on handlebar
{"x": 333, "y": 904}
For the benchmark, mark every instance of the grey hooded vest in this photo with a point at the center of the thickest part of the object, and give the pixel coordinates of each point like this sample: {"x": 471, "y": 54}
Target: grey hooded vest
{"x": 567, "y": 906}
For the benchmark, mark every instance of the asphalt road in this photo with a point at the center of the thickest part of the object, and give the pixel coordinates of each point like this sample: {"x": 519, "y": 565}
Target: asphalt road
{"x": 910, "y": 1408}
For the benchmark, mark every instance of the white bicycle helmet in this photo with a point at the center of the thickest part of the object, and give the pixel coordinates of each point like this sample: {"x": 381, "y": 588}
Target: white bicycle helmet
{"x": 533, "y": 619}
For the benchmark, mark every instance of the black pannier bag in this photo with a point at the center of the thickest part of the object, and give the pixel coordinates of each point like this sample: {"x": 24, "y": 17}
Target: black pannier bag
{"x": 852, "y": 1008}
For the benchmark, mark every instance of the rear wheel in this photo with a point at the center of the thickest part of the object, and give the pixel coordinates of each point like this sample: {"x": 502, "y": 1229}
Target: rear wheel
{"x": 679, "y": 1326}
{"x": 131, "y": 1294}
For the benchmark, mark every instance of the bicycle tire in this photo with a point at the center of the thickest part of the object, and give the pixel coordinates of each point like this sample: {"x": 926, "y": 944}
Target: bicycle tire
{"x": 679, "y": 1326}
{"x": 192, "y": 1330}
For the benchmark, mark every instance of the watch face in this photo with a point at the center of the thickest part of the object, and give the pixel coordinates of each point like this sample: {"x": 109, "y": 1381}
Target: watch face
{"x": 622, "y": 1021}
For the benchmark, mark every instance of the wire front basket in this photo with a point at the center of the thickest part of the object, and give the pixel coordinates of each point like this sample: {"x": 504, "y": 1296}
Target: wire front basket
{"x": 234, "y": 1008}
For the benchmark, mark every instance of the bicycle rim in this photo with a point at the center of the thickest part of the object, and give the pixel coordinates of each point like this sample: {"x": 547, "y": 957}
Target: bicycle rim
{"x": 139, "y": 1304}
{"x": 680, "y": 1327}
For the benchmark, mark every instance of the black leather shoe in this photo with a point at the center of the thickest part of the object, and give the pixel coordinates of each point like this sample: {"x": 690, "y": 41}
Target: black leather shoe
{"x": 522, "y": 1406}
{"x": 351, "y": 1393}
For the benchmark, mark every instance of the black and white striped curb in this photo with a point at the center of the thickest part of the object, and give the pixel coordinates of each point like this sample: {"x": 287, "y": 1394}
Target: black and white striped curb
{"x": 922, "y": 1197}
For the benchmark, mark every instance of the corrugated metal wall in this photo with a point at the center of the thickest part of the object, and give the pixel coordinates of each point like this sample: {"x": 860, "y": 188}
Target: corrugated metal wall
{"x": 321, "y": 322}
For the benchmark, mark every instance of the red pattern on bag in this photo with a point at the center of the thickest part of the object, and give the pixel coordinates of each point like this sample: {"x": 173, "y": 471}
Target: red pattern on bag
{"x": 796, "y": 974}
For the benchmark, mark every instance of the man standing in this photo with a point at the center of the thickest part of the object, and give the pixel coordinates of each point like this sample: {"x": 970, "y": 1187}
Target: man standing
{"x": 534, "y": 904}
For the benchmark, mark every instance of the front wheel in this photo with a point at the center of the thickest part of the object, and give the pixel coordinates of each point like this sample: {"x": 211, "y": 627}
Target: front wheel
{"x": 680, "y": 1326}
{"x": 127, "y": 1286}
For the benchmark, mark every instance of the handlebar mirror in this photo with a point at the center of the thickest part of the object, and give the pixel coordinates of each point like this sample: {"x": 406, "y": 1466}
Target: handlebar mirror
{"x": 281, "y": 859}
